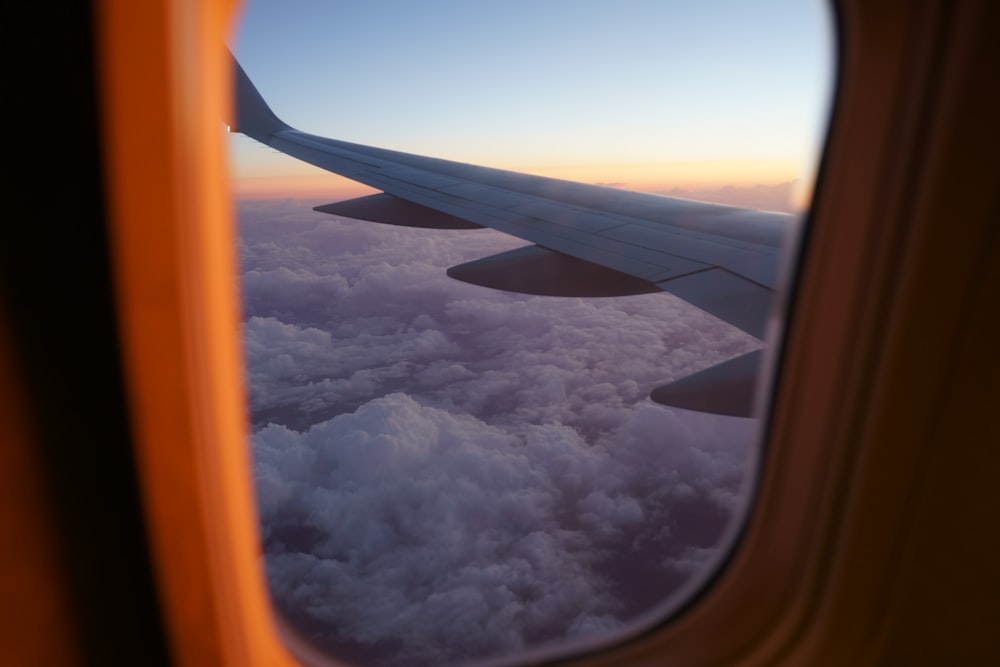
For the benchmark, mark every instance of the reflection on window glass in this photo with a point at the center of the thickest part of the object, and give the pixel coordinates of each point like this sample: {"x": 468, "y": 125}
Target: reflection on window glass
{"x": 448, "y": 472}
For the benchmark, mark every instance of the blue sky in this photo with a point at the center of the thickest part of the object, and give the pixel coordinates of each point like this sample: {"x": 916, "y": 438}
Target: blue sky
{"x": 626, "y": 91}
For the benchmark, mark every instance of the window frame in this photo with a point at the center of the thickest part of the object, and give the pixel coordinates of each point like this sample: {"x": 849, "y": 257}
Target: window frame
{"x": 815, "y": 578}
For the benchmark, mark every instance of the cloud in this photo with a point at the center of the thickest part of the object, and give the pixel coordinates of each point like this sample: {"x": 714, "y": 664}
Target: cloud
{"x": 431, "y": 530}
{"x": 446, "y": 471}
{"x": 447, "y": 538}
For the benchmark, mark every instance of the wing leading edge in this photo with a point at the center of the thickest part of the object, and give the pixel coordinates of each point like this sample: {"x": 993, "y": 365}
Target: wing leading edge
{"x": 598, "y": 241}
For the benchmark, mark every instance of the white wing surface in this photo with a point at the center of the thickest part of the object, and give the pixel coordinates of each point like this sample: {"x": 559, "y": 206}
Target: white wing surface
{"x": 589, "y": 240}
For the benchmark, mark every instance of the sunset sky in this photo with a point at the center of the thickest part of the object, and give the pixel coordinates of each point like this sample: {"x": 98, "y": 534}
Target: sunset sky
{"x": 644, "y": 94}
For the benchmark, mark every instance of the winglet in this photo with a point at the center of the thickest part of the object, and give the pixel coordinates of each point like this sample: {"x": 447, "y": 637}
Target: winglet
{"x": 252, "y": 115}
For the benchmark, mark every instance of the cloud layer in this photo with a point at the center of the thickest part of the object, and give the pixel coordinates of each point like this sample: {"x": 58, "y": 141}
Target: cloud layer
{"x": 447, "y": 472}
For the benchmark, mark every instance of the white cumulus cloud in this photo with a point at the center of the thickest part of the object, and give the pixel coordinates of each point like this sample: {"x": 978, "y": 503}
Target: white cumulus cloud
{"x": 446, "y": 471}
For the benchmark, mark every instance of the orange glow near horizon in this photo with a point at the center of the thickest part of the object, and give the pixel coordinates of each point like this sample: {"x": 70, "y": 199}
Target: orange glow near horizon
{"x": 691, "y": 174}
{"x": 685, "y": 178}
{"x": 308, "y": 186}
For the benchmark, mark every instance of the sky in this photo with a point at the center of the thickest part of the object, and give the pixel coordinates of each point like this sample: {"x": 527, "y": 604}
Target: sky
{"x": 651, "y": 95}
{"x": 448, "y": 473}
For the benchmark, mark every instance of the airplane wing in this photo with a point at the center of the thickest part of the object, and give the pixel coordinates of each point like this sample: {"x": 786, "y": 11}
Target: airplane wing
{"x": 589, "y": 240}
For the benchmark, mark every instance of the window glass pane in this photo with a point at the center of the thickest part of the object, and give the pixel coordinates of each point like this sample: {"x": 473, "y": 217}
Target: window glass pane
{"x": 447, "y": 471}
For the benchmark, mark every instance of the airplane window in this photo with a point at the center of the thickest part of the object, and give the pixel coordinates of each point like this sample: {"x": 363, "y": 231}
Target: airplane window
{"x": 495, "y": 462}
